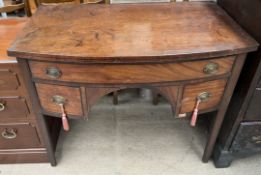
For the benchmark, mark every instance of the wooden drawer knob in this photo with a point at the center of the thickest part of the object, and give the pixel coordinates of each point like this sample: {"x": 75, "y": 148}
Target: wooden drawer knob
{"x": 2, "y": 106}
{"x": 9, "y": 133}
{"x": 211, "y": 68}
{"x": 53, "y": 72}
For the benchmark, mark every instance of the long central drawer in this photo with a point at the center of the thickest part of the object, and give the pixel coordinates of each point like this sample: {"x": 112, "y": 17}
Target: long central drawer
{"x": 135, "y": 73}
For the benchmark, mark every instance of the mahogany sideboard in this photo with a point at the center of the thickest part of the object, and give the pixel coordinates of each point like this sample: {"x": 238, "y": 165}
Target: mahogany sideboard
{"x": 240, "y": 135}
{"x": 70, "y": 60}
{"x": 21, "y": 138}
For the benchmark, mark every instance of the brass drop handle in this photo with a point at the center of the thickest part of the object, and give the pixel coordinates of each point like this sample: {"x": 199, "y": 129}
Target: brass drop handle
{"x": 9, "y": 133}
{"x": 59, "y": 100}
{"x": 2, "y": 106}
{"x": 211, "y": 68}
{"x": 202, "y": 97}
{"x": 257, "y": 139}
{"x": 53, "y": 72}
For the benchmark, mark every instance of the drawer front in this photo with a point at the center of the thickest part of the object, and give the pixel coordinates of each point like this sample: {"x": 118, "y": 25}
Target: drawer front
{"x": 136, "y": 73}
{"x": 8, "y": 80}
{"x": 259, "y": 84}
{"x": 214, "y": 89}
{"x": 18, "y": 136}
{"x": 13, "y": 107}
{"x": 248, "y": 137}
{"x": 254, "y": 110}
{"x": 70, "y": 95}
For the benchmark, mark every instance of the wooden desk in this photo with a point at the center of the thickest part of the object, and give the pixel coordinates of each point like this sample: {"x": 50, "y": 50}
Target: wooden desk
{"x": 182, "y": 50}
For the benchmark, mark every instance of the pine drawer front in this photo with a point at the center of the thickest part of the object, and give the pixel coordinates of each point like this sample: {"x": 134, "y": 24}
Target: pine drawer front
{"x": 213, "y": 90}
{"x": 8, "y": 79}
{"x": 131, "y": 73}
{"x": 18, "y": 136}
{"x": 71, "y": 96}
{"x": 13, "y": 107}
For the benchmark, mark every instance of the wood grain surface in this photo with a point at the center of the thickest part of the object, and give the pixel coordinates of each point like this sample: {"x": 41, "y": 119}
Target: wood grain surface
{"x": 9, "y": 28}
{"x": 15, "y": 107}
{"x": 35, "y": 155}
{"x": 131, "y": 73}
{"x": 215, "y": 88}
{"x": 8, "y": 78}
{"x": 130, "y": 33}
{"x": 73, "y": 105}
{"x": 26, "y": 136}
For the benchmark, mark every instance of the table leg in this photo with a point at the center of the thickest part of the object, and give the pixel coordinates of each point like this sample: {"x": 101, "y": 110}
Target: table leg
{"x": 41, "y": 120}
{"x": 115, "y": 98}
{"x": 223, "y": 107}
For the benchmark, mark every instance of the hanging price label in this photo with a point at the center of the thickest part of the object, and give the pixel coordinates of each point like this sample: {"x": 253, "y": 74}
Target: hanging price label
{"x": 202, "y": 97}
{"x": 65, "y": 121}
{"x": 60, "y": 100}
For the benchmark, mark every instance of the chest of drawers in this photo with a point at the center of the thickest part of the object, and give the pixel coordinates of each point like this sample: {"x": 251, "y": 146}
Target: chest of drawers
{"x": 21, "y": 140}
{"x": 240, "y": 135}
{"x": 72, "y": 60}
{"x": 20, "y": 136}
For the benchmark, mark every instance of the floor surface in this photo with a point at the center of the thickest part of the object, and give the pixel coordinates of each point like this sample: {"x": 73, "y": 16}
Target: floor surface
{"x": 132, "y": 138}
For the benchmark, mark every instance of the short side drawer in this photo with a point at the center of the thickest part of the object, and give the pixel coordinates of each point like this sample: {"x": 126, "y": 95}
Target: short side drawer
{"x": 13, "y": 107}
{"x": 71, "y": 96}
{"x": 214, "y": 88}
{"x": 18, "y": 136}
{"x": 248, "y": 137}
